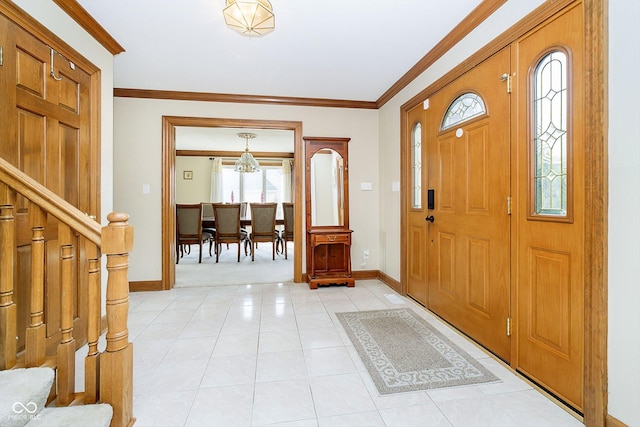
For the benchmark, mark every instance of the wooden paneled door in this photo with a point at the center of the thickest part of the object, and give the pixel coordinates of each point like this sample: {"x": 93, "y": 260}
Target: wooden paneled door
{"x": 549, "y": 215}
{"x": 505, "y": 153}
{"x": 44, "y": 102}
{"x": 416, "y": 266}
{"x": 469, "y": 170}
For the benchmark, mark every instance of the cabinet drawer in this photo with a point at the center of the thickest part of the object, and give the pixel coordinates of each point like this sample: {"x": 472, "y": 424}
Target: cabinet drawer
{"x": 323, "y": 239}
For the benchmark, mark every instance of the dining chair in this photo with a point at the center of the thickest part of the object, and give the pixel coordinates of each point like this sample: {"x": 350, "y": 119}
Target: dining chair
{"x": 227, "y": 222}
{"x": 189, "y": 229}
{"x": 286, "y": 235}
{"x": 243, "y": 214}
{"x": 263, "y": 226}
{"x": 207, "y": 212}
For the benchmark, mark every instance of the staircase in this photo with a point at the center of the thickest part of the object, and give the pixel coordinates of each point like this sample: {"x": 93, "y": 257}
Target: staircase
{"x": 24, "y": 393}
{"x": 37, "y": 341}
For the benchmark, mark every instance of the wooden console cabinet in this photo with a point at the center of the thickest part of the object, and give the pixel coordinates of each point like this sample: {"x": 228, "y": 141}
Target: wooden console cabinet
{"x": 327, "y": 209}
{"x": 330, "y": 257}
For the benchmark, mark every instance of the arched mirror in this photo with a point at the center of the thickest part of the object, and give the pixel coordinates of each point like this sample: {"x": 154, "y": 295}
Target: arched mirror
{"x": 327, "y": 211}
{"x": 327, "y": 193}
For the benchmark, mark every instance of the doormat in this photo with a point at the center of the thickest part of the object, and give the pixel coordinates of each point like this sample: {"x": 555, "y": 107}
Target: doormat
{"x": 402, "y": 352}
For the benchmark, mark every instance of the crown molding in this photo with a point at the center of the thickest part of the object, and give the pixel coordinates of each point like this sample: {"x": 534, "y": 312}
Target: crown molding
{"x": 25, "y": 21}
{"x": 86, "y": 21}
{"x": 245, "y": 99}
{"x": 460, "y": 31}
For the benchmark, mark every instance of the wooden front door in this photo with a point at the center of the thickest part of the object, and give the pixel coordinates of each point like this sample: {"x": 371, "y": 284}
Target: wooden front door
{"x": 524, "y": 154}
{"x": 416, "y": 265}
{"x": 44, "y": 100}
{"x": 549, "y": 177}
{"x": 469, "y": 239}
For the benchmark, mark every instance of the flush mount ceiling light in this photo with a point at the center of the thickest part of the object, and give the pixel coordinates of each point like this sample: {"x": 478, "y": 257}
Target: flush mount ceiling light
{"x": 251, "y": 18}
{"x": 246, "y": 162}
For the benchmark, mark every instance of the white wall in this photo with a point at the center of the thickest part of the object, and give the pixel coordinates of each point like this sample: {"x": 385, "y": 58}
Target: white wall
{"x": 198, "y": 188}
{"x": 624, "y": 211}
{"x": 137, "y": 146}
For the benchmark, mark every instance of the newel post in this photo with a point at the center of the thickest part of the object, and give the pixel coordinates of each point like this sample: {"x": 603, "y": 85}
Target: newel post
{"x": 116, "y": 363}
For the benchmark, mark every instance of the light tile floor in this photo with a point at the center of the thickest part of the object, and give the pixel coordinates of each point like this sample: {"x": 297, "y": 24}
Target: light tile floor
{"x": 275, "y": 354}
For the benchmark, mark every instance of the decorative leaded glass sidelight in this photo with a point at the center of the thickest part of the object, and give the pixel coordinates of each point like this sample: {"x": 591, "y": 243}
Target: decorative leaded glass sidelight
{"x": 550, "y": 135}
{"x": 416, "y": 165}
{"x": 463, "y": 108}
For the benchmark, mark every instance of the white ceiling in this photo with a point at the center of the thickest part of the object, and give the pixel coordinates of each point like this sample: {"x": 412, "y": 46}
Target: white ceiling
{"x": 333, "y": 49}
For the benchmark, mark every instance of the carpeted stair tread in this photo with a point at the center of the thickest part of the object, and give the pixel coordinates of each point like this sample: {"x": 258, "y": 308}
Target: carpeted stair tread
{"x": 23, "y": 392}
{"x": 98, "y": 415}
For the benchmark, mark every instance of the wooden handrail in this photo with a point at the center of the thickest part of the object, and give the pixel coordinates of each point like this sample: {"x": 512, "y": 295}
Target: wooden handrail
{"x": 108, "y": 375}
{"x": 49, "y": 201}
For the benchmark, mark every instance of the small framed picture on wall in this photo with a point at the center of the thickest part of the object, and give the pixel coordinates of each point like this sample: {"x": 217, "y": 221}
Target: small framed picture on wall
{"x": 187, "y": 175}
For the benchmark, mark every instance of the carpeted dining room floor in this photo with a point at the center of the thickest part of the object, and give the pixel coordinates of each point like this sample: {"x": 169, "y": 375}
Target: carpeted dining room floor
{"x": 228, "y": 271}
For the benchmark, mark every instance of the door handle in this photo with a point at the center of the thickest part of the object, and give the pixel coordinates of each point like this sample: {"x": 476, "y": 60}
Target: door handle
{"x": 431, "y": 199}
{"x": 430, "y": 218}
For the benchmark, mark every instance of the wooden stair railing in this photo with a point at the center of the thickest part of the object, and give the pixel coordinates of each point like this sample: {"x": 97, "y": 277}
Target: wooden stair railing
{"x": 108, "y": 375}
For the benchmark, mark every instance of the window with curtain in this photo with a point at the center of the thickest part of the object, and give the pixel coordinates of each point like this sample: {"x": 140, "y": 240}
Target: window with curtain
{"x": 265, "y": 186}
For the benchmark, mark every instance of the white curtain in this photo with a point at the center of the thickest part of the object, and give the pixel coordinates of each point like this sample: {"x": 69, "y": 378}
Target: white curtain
{"x": 216, "y": 180}
{"x": 286, "y": 180}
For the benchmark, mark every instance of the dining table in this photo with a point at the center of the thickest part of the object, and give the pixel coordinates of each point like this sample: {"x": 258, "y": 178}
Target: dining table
{"x": 245, "y": 221}
{"x": 210, "y": 222}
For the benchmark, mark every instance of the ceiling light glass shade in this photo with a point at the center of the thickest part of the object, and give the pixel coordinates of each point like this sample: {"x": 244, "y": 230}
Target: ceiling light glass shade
{"x": 246, "y": 163}
{"x": 252, "y": 18}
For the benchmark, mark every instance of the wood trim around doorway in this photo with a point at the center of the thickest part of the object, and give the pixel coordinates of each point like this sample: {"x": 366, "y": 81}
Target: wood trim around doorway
{"x": 596, "y": 317}
{"x": 169, "y": 123}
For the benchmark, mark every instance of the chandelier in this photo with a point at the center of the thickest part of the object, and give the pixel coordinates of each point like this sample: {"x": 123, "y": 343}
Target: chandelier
{"x": 246, "y": 162}
{"x": 251, "y": 18}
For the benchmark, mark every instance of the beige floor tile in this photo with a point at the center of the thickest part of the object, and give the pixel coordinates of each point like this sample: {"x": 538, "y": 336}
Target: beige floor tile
{"x": 276, "y": 355}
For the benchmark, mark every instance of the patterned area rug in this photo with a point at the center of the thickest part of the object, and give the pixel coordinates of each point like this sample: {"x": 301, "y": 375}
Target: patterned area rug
{"x": 402, "y": 352}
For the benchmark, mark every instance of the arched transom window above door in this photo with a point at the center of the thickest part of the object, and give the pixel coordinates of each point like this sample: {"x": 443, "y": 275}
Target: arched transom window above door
{"x": 465, "y": 107}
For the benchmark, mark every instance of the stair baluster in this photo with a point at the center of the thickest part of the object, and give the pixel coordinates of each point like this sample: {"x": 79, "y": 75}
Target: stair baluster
{"x": 36, "y": 332}
{"x": 91, "y": 361}
{"x": 67, "y": 347}
{"x": 8, "y": 309}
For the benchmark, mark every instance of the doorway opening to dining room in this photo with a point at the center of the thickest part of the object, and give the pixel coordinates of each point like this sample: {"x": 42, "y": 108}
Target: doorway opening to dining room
{"x": 198, "y": 142}
{"x": 206, "y": 173}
